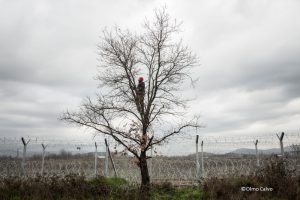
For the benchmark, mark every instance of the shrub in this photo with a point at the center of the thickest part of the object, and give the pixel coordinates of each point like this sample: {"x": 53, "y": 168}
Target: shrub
{"x": 69, "y": 187}
{"x": 277, "y": 176}
{"x": 274, "y": 175}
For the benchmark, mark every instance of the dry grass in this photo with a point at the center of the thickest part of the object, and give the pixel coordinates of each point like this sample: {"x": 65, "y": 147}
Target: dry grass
{"x": 275, "y": 175}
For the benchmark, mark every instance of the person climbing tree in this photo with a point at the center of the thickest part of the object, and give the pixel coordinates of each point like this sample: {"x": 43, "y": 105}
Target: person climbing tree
{"x": 140, "y": 93}
{"x": 128, "y": 111}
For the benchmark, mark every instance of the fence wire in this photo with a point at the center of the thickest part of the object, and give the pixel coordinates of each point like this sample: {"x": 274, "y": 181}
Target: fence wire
{"x": 77, "y": 157}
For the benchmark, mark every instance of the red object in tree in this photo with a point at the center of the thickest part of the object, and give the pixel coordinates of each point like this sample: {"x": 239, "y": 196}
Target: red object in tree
{"x": 141, "y": 78}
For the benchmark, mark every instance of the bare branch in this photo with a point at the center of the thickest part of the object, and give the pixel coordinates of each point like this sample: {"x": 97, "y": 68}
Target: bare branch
{"x": 121, "y": 110}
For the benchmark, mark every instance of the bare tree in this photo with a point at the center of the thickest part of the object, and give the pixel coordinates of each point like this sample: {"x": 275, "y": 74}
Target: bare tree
{"x": 124, "y": 110}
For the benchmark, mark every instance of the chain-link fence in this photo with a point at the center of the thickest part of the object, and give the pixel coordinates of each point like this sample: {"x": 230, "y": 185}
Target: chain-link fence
{"x": 72, "y": 157}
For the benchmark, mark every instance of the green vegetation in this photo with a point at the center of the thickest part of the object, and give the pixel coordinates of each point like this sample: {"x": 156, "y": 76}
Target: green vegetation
{"x": 115, "y": 182}
{"x": 77, "y": 187}
{"x": 177, "y": 193}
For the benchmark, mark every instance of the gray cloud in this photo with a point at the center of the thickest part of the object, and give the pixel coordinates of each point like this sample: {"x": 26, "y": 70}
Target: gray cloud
{"x": 249, "y": 73}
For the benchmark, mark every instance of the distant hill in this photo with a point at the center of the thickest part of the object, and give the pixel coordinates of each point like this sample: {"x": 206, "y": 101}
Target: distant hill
{"x": 246, "y": 151}
{"x": 205, "y": 154}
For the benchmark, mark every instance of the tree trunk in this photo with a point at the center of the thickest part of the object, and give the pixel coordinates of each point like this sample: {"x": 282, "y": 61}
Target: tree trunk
{"x": 145, "y": 184}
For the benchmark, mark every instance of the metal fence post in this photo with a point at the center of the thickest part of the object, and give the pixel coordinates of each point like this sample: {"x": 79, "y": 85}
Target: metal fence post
{"x": 111, "y": 160}
{"x": 256, "y": 152}
{"x": 151, "y": 160}
{"x": 197, "y": 157}
{"x": 281, "y": 143}
{"x": 23, "y": 171}
{"x": 43, "y": 158}
{"x": 202, "y": 160}
{"x": 106, "y": 160}
{"x": 96, "y": 159}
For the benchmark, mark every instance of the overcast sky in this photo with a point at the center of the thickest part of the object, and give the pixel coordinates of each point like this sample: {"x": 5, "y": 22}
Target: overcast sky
{"x": 249, "y": 55}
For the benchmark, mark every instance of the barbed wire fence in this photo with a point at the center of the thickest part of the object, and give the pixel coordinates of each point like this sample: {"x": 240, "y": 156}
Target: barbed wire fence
{"x": 179, "y": 161}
